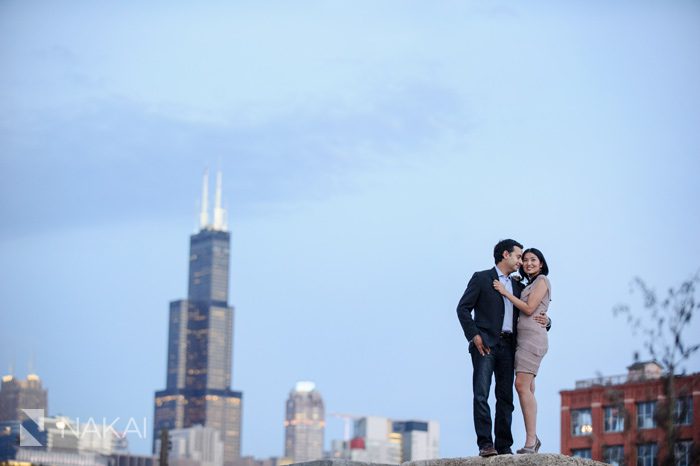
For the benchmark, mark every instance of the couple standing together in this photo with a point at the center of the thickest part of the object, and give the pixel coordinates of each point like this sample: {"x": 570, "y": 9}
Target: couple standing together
{"x": 507, "y": 338}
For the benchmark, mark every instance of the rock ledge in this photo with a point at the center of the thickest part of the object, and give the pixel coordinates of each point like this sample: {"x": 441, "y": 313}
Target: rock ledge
{"x": 545, "y": 459}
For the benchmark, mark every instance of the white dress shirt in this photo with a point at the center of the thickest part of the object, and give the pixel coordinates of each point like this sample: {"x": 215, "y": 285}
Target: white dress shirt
{"x": 508, "y": 306}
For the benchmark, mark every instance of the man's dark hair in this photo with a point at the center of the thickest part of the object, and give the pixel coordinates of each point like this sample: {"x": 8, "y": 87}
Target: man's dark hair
{"x": 503, "y": 246}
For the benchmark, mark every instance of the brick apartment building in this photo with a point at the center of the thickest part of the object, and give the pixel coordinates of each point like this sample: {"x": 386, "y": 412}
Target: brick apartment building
{"x": 614, "y": 419}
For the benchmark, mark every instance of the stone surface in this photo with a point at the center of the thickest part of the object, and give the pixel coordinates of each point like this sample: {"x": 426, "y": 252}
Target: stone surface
{"x": 339, "y": 463}
{"x": 500, "y": 460}
{"x": 545, "y": 459}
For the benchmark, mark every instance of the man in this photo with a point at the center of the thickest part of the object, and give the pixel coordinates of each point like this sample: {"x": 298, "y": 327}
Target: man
{"x": 491, "y": 334}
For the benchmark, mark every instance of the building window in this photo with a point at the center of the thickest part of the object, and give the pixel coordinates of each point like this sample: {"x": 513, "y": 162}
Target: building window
{"x": 581, "y": 453}
{"x": 684, "y": 410}
{"x": 614, "y": 455}
{"x": 646, "y": 454}
{"x": 581, "y": 422}
{"x": 614, "y": 419}
{"x": 646, "y": 415}
{"x": 682, "y": 452}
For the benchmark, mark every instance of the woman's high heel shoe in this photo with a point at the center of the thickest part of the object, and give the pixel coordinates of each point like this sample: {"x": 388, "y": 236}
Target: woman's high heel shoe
{"x": 530, "y": 450}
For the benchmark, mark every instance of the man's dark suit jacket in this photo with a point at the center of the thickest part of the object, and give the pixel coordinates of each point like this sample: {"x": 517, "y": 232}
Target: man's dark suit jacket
{"x": 489, "y": 310}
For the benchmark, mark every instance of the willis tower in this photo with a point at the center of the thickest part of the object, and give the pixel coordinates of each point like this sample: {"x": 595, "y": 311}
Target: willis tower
{"x": 200, "y": 340}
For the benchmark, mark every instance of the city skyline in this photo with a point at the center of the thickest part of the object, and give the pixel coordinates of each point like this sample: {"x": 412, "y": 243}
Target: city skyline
{"x": 374, "y": 153}
{"x": 380, "y": 440}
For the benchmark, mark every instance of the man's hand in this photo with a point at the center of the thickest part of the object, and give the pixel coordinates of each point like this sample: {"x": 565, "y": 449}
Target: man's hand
{"x": 541, "y": 319}
{"x": 480, "y": 346}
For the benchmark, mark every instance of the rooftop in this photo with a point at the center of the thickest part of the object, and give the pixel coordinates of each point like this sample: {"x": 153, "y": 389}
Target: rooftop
{"x": 639, "y": 371}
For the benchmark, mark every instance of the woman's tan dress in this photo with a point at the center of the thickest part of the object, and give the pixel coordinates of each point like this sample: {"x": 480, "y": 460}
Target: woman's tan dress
{"x": 532, "y": 341}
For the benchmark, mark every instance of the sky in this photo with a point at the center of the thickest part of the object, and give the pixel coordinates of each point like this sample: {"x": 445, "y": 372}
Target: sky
{"x": 373, "y": 152}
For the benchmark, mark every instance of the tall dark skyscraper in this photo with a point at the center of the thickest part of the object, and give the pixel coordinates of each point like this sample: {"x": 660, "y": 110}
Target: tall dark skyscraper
{"x": 200, "y": 340}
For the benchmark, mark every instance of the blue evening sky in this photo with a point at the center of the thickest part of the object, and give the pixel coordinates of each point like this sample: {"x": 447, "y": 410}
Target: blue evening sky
{"x": 373, "y": 153}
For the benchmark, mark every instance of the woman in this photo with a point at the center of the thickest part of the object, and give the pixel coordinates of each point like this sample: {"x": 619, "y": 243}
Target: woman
{"x": 532, "y": 338}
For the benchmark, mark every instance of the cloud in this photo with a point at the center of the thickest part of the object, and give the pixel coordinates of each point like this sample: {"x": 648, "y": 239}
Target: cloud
{"x": 115, "y": 159}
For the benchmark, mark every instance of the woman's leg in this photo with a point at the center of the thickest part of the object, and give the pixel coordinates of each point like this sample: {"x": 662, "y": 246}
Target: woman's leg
{"x": 525, "y": 385}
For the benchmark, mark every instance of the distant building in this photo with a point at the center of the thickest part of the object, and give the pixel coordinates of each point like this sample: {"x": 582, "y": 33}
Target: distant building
{"x": 16, "y": 395}
{"x": 196, "y": 445}
{"x": 381, "y": 440}
{"x": 39, "y": 456}
{"x": 102, "y": 439}
{"x": 200, "y": 341}
{"x": 126, "y": 459}
{"x": 304, "y": 423}
{"x": 420, "y": 440}
{"x": 272, "y": 461}
{"x": 614, "y": 419}
{"x": 375, "y": 441}
{"x": 61, "y": 434}
{"x": 10, "y": 433}
{"x": 52, "y": 441}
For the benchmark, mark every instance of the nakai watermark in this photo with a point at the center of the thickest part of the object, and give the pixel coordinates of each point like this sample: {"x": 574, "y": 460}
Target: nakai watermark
{"x": 35, "y": 431}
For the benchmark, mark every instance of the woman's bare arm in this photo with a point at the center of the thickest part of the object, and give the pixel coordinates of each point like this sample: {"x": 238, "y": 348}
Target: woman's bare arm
{"x": 533, "y": 301}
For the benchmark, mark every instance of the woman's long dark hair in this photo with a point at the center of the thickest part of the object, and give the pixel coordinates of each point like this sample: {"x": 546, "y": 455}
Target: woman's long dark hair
{"x": 543, "y": 261}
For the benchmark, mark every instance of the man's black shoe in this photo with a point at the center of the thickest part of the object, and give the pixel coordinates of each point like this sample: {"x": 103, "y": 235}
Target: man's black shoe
{"x": 505, "y": 452}
{"x": 487, "y": 450}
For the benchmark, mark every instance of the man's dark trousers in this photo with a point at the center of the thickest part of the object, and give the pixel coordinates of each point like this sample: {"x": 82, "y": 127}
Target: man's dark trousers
{"x": 500, "y": 363}
{"x": 489, "y": 311}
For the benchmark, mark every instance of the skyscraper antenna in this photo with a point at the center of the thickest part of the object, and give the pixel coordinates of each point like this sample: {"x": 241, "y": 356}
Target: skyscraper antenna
{"x": 219, "y": 212}
{"x": 204, "y": 213}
